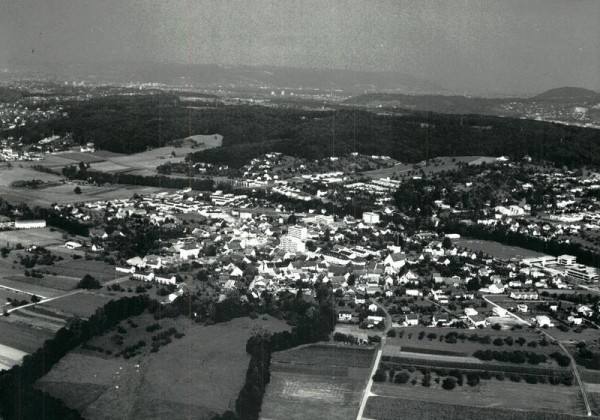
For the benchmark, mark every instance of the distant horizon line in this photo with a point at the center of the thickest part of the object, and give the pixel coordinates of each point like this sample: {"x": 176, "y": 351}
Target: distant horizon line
{"x": 445, "y": 91}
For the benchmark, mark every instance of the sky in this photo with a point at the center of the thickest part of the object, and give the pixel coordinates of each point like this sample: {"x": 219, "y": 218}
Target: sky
{"x": 466, "y": 46}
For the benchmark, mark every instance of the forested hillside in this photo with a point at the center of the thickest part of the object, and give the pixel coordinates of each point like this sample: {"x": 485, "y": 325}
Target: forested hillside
{"x": 133, "y": 124}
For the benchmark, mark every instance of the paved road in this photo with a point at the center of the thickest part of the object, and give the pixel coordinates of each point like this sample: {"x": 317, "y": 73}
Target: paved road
{"x": 575, "y": 372}
{"x": 367, "y": 392}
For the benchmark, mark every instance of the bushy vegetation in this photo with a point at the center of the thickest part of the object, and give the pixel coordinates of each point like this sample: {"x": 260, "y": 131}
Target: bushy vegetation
{"x": 88, "y": 282}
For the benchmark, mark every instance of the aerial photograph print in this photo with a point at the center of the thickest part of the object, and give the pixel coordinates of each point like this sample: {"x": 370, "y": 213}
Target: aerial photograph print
{"x": 299, "y": 209}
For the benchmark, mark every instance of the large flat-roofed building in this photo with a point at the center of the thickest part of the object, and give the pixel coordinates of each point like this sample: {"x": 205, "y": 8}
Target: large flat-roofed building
{"x": 585, "y": 273}
{"x": 566, "y": 260}
{"x": 30, "y": 224}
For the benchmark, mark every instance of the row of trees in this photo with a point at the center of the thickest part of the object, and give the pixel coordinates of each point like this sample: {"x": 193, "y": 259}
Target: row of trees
{"x": 82, "y": 173}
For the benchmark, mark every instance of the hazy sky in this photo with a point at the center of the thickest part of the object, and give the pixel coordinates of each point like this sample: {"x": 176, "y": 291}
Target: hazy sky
{"x": 508, "y": 46}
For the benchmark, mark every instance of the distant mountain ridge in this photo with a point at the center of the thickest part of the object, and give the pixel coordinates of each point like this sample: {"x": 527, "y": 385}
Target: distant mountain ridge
{"x": 565, "y": 104}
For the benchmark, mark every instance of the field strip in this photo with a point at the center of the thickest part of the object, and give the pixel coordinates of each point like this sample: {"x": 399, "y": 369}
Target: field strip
{"x": 20, "y": 291}
{"x": 440, "y": 357}
{"x": 10, "y": 356}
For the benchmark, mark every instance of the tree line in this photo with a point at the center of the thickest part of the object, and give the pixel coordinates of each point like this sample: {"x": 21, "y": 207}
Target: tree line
{"x": 161, "y": 181}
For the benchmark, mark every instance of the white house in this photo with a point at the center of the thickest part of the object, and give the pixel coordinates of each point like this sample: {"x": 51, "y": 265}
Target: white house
{"x": 344, "y": 316}
{"x": 414, "y": 292}
{"x": 411, "y": 320}
{"x": 188, "y": 251}
{"x": 72, "y": 245}
{"x": 396, "y": 260}
{"x": 165, "y": 280}
{"x": 543, "y": 320}
{"x": 29, "y": 224}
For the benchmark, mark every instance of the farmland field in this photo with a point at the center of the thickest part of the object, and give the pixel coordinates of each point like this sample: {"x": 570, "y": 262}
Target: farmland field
{"x": 63, "y": 193}
{"x": 48, "y": 281}
{"x": 81, "y": 304}
{"x": 198, "y": 375}
{"x": 77, "y": 157}
{"x": 15, "y": 282}
{"x": 76, "y": 269}
{"x": 22, "y": 337}
{"x": 493, "y": 394}
{"x": 10, "y": 356}
{"x": 385, "y": 408}
{"x": 496, "y": 249}
{"x": 317, "y": 382}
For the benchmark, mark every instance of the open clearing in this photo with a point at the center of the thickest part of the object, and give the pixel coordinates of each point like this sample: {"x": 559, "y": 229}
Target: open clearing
{"x": 496, "y": 249}
{"x": 317, "y": 382}
{"x": 26, "y": 237}
{"x": 444, "y": 164}
{"x": 149, "y": 160}
{"x": 24, "y": 173}
{"x": 384, "y": 408}
{"x": 198, "y": 375}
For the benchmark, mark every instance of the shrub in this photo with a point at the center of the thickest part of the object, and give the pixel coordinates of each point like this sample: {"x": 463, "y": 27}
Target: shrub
{"x": 88, "y": 282}
{"x": 449, "y": 383}
{"x": 426, "y": 381}
{"x": 380, "y": 376}
{"x": 472, "y": 378}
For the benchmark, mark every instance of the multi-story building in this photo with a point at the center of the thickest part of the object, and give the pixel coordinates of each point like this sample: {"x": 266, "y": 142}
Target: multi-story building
{"x": 298, "y": 232}
{"x": 291, "y": 244}
{"x": 585, "y": 273}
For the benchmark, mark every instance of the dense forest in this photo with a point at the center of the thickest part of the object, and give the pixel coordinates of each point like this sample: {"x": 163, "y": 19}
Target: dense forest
{"x": 133, "y": 124}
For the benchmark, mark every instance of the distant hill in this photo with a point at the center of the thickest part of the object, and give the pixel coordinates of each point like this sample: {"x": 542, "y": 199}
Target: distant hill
{"x": 433, "y": 103}
{"x": 573, "y": 94}
{"x": 566, "y": 104}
